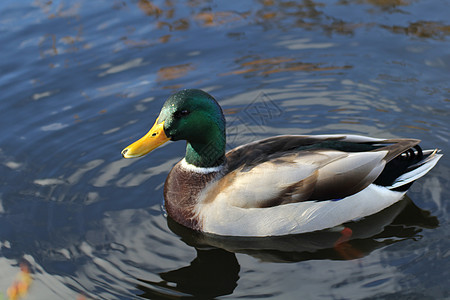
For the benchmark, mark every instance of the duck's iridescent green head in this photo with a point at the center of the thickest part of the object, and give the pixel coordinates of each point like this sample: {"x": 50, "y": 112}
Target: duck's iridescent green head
{"x": 191, "y": 115}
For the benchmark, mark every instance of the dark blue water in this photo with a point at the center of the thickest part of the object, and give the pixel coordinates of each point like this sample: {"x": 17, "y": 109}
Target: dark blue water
{"x": 81, "y": 80}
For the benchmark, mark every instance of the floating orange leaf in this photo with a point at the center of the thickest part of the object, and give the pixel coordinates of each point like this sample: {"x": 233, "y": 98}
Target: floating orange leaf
{"x": 218, "y": 18}
{"x": 149, "y": 8}
{"x": 269, "y": 15}
{"x": 21, "y": 285}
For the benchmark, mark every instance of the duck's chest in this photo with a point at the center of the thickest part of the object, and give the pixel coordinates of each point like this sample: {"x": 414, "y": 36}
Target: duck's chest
{"x": 181, "y": 191}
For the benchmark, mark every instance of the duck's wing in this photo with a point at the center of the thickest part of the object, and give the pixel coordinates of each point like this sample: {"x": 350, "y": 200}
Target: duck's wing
{"x": 288, "y": 169}
{"x": 252, "y": 154}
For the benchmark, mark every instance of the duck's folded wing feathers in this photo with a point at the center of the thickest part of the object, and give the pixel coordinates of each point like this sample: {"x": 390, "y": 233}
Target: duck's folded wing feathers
{"x": 349, "y": 175}
{"x": 308, "y": 175}
{"x": 288, "y": 169}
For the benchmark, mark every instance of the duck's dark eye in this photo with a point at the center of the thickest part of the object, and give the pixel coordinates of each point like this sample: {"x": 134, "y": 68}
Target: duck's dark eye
{"x": 181, "y": 113}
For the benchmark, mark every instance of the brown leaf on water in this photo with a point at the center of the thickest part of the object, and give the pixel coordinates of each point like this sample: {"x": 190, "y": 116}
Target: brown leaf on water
{"x": 268, "y": 2}
{"x": 415, "y": 127}
{"x": 174, "y": 72}
{"x": 267, "y": 61}
{"x": 422, "y": 29}
{"x": 269, "y": 15}
{"x": 180, "y": 24}
{"x": 389, "y": 3}
{"x": 349, "y": 122}
{"x": 165, "y": 38}
{"x": 149, "y": 8}
{"x": 338, "y": 109}
{"x": 273, "y": 65}
{"x": 173, "y": 87}
{"x": 218, "y": 18}
{"x": 230, "y": 111}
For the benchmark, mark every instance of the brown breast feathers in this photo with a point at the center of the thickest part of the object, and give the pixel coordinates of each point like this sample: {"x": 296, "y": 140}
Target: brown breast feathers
{"x": 181, "y": 191}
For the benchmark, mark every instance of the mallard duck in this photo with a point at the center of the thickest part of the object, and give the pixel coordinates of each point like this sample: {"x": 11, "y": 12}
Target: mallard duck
{"x": 281, "y": 185}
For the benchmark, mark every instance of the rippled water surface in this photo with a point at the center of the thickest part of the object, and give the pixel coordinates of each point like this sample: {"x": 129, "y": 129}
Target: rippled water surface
{"x": 80, "y": 80}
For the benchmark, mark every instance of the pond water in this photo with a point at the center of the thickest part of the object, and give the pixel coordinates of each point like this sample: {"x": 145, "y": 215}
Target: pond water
{"x": 80, "y": 80}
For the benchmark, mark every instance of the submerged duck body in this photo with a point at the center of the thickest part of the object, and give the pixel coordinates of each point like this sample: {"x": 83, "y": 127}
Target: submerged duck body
{"x": 277, "y": 186}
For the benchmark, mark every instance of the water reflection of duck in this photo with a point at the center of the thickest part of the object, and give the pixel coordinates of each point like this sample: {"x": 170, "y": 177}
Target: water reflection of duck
{"x": 280, "y": 185}
{"x": 215, "y": 270}
{"x": 400, "y": 221}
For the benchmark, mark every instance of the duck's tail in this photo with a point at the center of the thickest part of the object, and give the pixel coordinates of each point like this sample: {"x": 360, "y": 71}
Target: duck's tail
{"x": 428, "y": 160}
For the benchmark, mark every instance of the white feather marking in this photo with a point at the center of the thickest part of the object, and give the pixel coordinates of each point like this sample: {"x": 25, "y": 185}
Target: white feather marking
{"x": 416, "y": 173}
{"x": 219, "y": 217}
{"x": 192, "y": 168}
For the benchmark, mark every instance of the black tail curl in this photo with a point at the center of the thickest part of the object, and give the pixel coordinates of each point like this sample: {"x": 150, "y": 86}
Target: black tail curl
{"x": 415, "y": 153}
{"x": 403, "y": 163}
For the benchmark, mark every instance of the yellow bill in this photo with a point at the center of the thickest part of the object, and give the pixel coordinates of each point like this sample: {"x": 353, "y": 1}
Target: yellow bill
{"x": 152, "y": 140}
